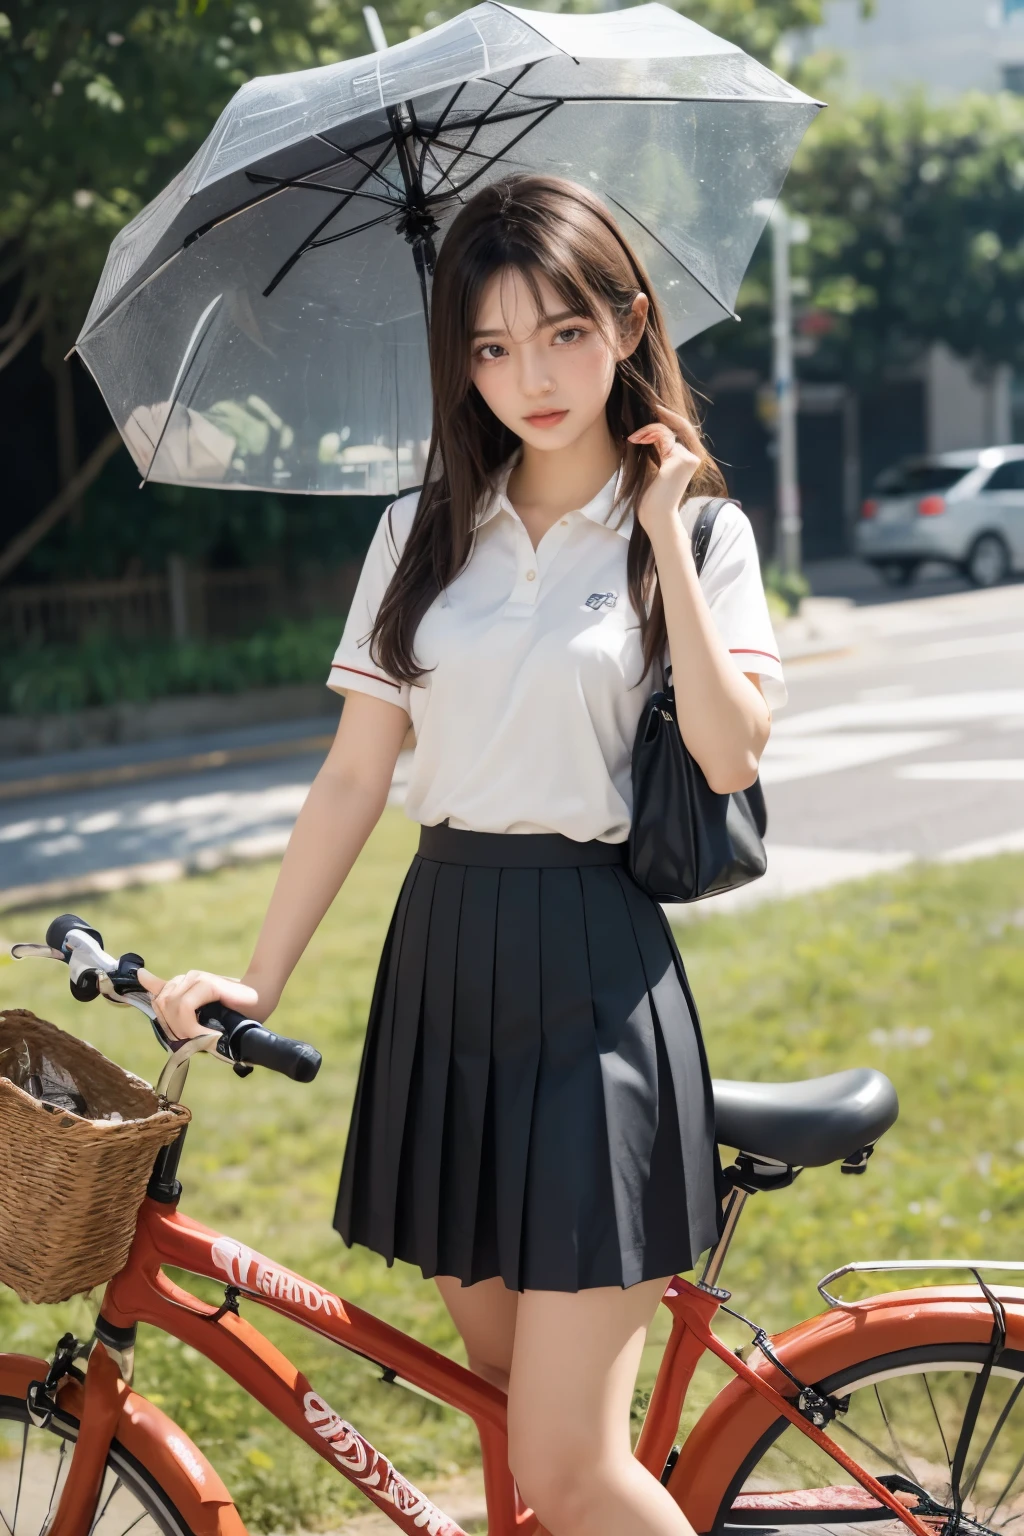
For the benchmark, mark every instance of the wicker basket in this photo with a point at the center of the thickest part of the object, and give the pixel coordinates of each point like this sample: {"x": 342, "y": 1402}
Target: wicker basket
{"x": 70, "y": 1188}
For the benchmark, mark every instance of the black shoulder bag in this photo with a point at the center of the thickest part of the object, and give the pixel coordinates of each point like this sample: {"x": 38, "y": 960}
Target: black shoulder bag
{"x": 686, "y": 841}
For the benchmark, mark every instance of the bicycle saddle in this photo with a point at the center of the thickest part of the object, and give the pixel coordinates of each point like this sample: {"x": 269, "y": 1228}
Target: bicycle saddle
{"x": 807, "y": 1124}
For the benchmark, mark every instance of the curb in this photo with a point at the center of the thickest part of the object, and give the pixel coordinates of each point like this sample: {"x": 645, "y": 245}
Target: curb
{"x": 161, "y": 768}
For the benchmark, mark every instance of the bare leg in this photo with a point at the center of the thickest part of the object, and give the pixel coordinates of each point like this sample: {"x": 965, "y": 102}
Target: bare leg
{"x": 485, "y": 1315}
{"x": 574, "y": 1365}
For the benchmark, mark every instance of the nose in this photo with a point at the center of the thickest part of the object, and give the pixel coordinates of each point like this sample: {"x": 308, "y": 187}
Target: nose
{"x": 535, "y": 380}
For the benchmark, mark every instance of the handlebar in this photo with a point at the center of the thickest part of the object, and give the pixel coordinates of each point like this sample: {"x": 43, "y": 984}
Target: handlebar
{"x": 248, "y": 1043}
{"x": 244, "y": 1042}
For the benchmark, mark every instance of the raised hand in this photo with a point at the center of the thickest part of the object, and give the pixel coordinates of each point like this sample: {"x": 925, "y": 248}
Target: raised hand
{"x": 675, "y": 440}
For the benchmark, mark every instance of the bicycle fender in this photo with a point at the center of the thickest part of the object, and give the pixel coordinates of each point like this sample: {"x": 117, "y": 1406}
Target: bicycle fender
{"x": 732, "y": 1425}
{"x": 152, "y": 1439}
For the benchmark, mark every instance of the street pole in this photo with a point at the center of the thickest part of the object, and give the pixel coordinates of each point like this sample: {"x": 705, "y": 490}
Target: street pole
{"x": 787, "y": 486}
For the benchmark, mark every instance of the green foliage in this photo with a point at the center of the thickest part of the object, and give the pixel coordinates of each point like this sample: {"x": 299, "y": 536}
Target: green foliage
{"x": 919, "y": 973}
{"x": 103, "y": 101}
{"x": 789, "y": 587}
{"x": 917, "y": 224}
{"x": 59, "y": 678}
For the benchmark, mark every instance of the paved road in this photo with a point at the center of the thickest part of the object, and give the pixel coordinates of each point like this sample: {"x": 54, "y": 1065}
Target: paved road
{"x": 904, "y": 739}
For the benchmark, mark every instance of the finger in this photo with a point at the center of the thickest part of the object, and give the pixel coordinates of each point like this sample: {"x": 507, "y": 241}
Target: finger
{"x": 682, "y": 426}
{"x": 656, "y": 436}
{"x": 153, "y": 984}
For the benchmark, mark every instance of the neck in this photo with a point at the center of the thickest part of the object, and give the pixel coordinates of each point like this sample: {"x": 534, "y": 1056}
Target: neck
{"x": 559, "y": 480}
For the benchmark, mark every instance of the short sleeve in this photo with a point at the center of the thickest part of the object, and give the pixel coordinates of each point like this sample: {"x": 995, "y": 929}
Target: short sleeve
{"x": 353, "y": 670}
{"x": 731, "y": 583}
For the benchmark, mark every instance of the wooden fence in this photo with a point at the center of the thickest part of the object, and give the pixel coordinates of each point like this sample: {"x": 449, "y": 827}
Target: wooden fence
{"x": 183, "y": 604}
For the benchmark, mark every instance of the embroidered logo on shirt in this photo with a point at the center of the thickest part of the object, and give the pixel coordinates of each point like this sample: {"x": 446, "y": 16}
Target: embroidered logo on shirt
{"x": 601, "y": 600}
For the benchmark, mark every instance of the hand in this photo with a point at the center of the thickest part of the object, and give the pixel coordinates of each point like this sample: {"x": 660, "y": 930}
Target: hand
{"x": 675, "y": 440}
{"x": 176, "y": 1001}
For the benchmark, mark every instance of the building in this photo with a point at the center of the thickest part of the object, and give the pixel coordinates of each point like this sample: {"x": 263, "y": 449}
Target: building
{"x": 947, "y": 46}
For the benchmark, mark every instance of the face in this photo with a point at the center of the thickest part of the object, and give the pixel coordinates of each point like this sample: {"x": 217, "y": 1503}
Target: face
{"x": 545, "y": 372}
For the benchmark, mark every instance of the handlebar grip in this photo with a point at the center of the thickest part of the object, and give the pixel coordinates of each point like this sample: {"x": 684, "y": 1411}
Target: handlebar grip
{"x": 248, "y": 1042}
{"x": 260, "y": 1047}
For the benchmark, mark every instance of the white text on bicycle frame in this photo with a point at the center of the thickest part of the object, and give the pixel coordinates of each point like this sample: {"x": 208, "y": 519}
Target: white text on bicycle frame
{"x": 253, "y": 1272}
{"x": 373, "y": 1470}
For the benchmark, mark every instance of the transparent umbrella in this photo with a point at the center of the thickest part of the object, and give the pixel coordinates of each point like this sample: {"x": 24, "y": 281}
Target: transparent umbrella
{"x": 262, "y": 322}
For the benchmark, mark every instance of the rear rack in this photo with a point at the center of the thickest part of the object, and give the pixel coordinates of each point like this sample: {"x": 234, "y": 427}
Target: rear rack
{"x": 885, "y": 1266}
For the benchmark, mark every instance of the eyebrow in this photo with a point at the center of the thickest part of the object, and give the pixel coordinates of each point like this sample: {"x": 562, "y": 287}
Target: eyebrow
{"x": 566, "y": 314}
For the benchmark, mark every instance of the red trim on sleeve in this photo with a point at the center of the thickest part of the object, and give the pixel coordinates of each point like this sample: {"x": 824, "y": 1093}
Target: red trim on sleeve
{"x": 339, "y": 666}
{"x": 745, "y": 650}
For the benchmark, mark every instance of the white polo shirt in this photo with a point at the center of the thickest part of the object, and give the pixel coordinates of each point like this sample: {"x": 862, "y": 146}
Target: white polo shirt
{"x": 526, "y": 715}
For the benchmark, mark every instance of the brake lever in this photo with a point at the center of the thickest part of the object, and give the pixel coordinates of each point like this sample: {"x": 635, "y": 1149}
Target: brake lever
{"x": 35, "y": 952}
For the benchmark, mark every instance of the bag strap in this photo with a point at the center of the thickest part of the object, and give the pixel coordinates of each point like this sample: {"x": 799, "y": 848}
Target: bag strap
{"x": 703, "y": 528}
{"x": 700, "y": 539}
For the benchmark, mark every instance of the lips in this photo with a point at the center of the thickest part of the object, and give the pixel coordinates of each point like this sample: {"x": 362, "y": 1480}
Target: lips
{"x": 547, "y": 418}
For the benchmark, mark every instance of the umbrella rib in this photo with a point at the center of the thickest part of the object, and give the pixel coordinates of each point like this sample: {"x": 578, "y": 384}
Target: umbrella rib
{"x": 199, "y": 335}
{"x": 545, "y": 113}
{"x": 356, "y": 154}
{"x": 316, "y": 186}
{"x": 272, "y": 190}
{"x": 485, "y": 120}
{"x": 669, "y": 252}
{"x": 441, "y": 121}
{"x": 306, "y": 244}
{"x": 344, "y": 234}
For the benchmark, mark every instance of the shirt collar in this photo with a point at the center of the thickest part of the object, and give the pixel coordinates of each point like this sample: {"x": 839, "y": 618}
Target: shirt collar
{"x": 600, "y": 509}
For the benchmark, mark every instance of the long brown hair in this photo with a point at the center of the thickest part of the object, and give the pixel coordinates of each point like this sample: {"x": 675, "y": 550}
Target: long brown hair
{"x": 540, "y": 226}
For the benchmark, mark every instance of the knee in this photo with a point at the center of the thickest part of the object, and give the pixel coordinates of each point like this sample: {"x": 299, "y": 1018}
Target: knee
{"x": 556, "y": 1480}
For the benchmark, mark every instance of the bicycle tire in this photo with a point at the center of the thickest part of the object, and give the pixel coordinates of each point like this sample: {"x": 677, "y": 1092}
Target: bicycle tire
{"x": 745, "y": 1508}
{"x": 151, "y": 1509}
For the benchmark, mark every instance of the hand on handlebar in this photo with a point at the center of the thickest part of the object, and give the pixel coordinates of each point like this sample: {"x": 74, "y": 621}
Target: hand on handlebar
{"x": 177, "y": 1000}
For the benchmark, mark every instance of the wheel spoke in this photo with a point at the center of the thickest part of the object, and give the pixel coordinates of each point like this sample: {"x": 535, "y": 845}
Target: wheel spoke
{"x": 133, "y": 1524}
{"x": 938, "y": 1422}
{"x": 21, "y": 1475}
{"x": 871, "y": 1446}
{"x": 898, "y": 1449}
{"x": 1007, "y": 1409}
{"x": 106, "y": 1505}
{"x": 1013, "y": 1478}
{"x": 56, "y": 1480}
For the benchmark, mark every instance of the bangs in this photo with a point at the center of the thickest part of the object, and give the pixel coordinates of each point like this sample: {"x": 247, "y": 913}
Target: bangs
{"x": 556, "y": 261}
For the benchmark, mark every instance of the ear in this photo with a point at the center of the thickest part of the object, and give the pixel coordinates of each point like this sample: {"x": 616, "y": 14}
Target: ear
{"x": 634, "y": 326}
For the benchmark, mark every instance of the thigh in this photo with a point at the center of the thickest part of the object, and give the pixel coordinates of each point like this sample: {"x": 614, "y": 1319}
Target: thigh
{"x": 574, "y": 1367}
{"x": 485, "y": 1315}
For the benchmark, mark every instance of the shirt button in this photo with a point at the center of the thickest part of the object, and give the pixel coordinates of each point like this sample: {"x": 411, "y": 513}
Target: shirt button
{"x": 531, "y": 575}
{"x": 565, "y": 522}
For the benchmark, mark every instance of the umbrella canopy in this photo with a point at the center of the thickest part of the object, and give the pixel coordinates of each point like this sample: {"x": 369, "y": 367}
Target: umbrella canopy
{"x": 261, "y": 322}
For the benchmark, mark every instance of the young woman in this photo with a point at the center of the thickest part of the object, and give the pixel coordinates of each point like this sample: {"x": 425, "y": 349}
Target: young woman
{"x": 533, "y": 1122}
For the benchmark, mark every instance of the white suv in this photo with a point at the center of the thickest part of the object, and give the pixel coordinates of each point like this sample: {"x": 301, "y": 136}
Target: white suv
{"x": 964, "y": 508}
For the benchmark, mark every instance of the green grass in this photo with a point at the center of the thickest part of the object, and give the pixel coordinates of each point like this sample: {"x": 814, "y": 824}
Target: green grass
{"x": 920, "y": 973}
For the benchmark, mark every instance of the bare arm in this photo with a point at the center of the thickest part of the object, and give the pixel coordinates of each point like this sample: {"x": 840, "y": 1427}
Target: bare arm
{"x": 343, "y": 806}
{"x": 723, "y": 718}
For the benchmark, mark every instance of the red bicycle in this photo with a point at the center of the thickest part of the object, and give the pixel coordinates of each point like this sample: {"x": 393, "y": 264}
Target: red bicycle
{"x": 903, "y": 1410}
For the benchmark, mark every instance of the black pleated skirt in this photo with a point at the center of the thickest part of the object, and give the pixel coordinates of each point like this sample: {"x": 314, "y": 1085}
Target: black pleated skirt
{"x": 533, "y": 1100}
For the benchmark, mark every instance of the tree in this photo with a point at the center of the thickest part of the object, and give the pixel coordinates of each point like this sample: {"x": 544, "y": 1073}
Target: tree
{"x": 917, "y": 228}
{"x": 101, "y": 103}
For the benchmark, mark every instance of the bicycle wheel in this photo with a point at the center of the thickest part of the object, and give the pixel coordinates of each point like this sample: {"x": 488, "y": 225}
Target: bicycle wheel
{"x": 33, "y": 1466}
{"x": 902, "y": 1419}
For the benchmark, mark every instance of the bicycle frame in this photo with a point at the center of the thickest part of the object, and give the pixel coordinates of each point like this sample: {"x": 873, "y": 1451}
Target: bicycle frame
{"x": 142, "y": 1292}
